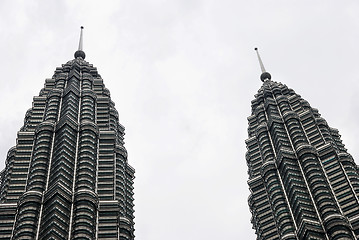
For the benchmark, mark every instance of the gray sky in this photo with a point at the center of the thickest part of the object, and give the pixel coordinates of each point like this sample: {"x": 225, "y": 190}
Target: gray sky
{"x": 182, "y": 74}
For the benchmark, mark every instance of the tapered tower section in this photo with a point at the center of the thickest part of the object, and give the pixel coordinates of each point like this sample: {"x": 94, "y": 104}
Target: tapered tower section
{"x": 68, "y": 175}
{"x": 303, "y": 183}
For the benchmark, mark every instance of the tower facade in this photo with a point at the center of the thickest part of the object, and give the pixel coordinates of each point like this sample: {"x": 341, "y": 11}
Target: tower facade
{"x": 303, "y": 183}
{"x": 68, "y": 175}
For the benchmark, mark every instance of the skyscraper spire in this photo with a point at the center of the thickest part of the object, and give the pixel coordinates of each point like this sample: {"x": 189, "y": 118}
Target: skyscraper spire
{"x": 80, "y": 42}
{"x": 265, "y": 75}
{"x": 80, "y": 52}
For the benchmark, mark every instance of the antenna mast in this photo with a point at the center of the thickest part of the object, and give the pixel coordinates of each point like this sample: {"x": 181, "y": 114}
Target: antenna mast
{"x": 265, "y": 75}
{"x": 80, "y": 52}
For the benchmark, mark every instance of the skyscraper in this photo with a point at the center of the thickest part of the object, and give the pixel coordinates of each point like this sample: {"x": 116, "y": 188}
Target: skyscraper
{"x": 303, "y": 183}
{"x": 68, "y": 175}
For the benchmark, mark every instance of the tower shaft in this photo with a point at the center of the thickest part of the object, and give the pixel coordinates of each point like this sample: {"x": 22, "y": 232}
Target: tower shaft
{"x": 68, "y": 175}
{"x": 303, "y": 183}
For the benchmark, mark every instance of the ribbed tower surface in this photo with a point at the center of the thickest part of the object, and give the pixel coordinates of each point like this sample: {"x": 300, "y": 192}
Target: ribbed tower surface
{"x": 68, "y": 175}
{"x": 303, "y": 183}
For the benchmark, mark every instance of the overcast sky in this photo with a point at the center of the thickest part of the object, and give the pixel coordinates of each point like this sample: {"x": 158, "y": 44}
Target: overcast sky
{"x": 182, "y": 74}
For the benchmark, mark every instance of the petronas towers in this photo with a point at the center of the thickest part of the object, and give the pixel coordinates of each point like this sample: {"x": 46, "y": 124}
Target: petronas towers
{"x": 68, "y": 175}
{"x": 303, "y": 183}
